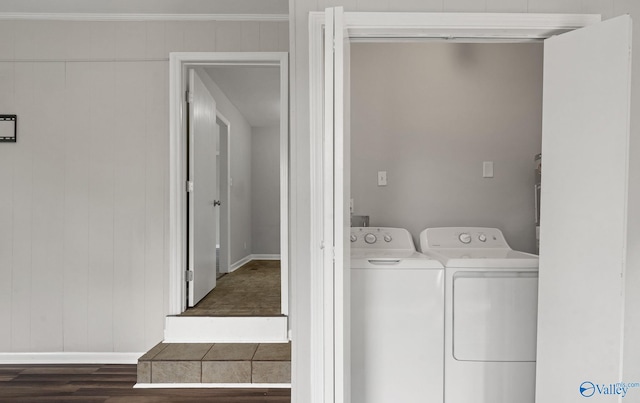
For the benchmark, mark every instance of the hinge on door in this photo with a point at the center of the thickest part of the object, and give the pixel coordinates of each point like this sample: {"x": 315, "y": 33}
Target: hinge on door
{"x": 188, "y": 275}
{"x": 189, "y": 186}
{"x": 188, "y": 96}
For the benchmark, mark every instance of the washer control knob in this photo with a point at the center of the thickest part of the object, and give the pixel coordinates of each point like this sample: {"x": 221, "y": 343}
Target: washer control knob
{"x": 354, "y": 237}
{"x": 370, "y": 238}
{"x": 387, "y": 238}
{"x": 464, "y": 237}
{"x": 482, "y": 238}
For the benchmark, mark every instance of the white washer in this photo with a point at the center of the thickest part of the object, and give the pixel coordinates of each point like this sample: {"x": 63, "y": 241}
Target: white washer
{"x": 491, "y": 307}
{"x": 397, "y": 319}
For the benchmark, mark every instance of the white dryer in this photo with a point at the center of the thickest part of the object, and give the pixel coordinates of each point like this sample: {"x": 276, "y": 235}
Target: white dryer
{"x": 397, "y": 319}
{"x": 491, "y": 306}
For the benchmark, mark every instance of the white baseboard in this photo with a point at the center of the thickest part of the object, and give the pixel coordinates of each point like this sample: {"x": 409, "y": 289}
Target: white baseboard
{"x": 235, "y": 266}
{"x": 265, "y": 257}
{"x": 213, "y": 385}
{"x": 225, "y": 329}
{"x": 69, "y": 358}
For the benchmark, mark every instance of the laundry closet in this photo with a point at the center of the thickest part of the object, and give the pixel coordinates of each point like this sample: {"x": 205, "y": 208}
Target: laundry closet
{"x": 443, "y": 134}
{"x": 449, "y": 137}
{"x": 431, "y": 116}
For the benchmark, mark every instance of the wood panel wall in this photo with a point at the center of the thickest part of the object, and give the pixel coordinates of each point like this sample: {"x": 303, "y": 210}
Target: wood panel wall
{"x": 84, "y": 191}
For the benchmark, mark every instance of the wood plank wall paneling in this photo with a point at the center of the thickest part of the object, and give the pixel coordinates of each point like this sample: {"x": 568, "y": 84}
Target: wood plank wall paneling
{"x": 22, "y": 209}
{"x": 6, "y": 204}
{"x": 84, "y": 192}
{"x": 76, "y": 214}
{"x": 102, "y": 99}
{"x": 47, "y": 206}
{"x": 156, "y": 202}
{"x": 129, "y": 206}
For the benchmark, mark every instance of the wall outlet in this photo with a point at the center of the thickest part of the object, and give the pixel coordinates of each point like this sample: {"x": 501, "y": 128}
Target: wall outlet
{"x": 382, "y": 178}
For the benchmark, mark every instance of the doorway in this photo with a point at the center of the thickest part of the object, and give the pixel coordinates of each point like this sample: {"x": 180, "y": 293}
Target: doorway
{"x": 248, "y": 210}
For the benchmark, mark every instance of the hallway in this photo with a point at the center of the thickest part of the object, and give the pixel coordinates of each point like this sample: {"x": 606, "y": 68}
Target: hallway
{"x": 251, "y": 290}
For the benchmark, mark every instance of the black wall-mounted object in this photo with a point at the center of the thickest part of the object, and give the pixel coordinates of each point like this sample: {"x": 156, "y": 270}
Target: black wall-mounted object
{"x": 8, "y": 128}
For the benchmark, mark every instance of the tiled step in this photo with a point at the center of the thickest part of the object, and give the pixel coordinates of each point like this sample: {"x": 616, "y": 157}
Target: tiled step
{"x": 216, "y": 363}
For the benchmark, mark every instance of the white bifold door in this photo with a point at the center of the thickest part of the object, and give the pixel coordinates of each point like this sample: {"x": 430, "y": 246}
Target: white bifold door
{"x": 585, "y": 153}
{"x": 583, "y": 224}
{"x": 336, "y": 190}
{"x": 202, "y": 192}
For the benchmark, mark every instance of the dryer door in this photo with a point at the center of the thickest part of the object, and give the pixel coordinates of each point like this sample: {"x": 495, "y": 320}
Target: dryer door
{"x": 495, "y": 315}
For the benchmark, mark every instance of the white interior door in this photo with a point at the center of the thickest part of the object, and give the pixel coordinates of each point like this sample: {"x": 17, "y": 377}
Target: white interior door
{"x": 203, "y": 139}
{"x": 337, "y": 217}
{"x": 585, "y": 147}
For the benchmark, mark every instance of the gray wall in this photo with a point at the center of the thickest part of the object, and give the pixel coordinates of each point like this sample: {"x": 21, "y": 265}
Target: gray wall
{"x": 301, "y": 166}
{"x": 240, "y": 173}
{"x": 265, "y": 192}
{"x": 84, "y": 191}
{"x": 429, "y": 114}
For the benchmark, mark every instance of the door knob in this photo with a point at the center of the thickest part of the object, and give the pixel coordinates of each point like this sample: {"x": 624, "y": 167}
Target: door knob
{"x": 216, "y": 203}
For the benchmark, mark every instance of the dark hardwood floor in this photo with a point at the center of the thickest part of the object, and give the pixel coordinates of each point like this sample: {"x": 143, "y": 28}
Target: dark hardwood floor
{"x": 110, "y": 383}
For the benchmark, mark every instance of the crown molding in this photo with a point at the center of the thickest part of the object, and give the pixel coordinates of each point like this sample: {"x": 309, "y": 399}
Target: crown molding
{"x": 142, "y": 17}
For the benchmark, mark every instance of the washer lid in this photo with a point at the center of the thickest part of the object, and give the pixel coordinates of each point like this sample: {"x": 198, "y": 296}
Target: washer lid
{"x": 483, "y": 258}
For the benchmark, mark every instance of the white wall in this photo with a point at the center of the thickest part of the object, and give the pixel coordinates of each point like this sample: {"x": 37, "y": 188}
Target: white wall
{"x": 301, "y": 278}
{"x": 429, "y": 114}
{"x": 240, "y": 172}
{"x": 84, "y": 191}
{"x": 265, "y": 190}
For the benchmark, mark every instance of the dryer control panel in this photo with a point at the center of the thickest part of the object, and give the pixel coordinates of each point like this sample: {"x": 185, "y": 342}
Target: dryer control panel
{"x": 381, "y": 238}
{"x": 462, "y": 237}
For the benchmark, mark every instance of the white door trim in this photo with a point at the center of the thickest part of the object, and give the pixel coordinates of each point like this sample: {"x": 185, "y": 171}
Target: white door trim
{"x": 178, "y": 62}
{"x": 225, "y": 202}
{"x": 476, "y": 27}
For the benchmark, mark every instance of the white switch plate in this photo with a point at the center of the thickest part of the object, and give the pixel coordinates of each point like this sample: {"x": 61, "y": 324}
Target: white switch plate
{"x": 382, "y": 178}
{"x": 487, "y": 169}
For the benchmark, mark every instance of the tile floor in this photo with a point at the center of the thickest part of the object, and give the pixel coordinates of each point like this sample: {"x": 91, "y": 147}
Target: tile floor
{"x": 251, "y": 290}
{"x": 242, "y": 363}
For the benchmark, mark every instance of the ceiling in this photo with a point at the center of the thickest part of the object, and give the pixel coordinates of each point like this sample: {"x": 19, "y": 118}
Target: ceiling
{"x": 146, "y": 6}
{"x": 254, "y": 90}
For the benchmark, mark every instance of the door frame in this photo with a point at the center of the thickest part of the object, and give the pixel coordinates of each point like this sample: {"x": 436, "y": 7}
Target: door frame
{"x": 227, "y": 199}
{"x": 179, "y": 62}
{"x": 326, "y": 350}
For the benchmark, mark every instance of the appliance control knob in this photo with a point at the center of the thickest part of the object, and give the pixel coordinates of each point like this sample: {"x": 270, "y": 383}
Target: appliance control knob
{"x": 354, "y": 238}
{"x": 464, "y": 237}
{"x": 370, "y": 238}
{"x": 482, "y": 238}
{"x": 387, "y": 238}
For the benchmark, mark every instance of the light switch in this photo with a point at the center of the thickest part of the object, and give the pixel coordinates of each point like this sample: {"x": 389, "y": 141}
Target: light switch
{"x": 382, "y": 178}
{"x": 487, "y": 169}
